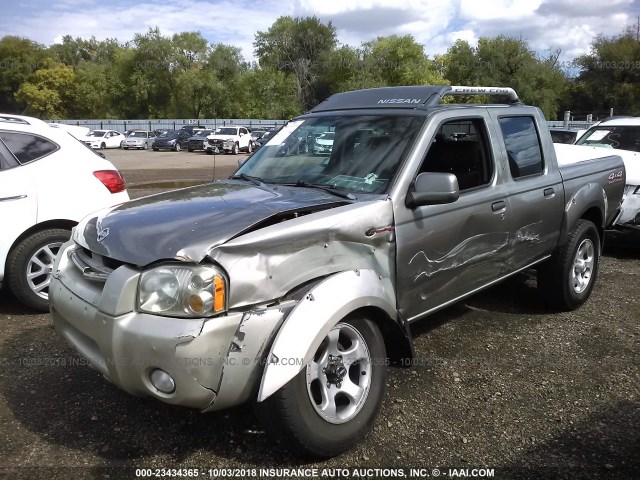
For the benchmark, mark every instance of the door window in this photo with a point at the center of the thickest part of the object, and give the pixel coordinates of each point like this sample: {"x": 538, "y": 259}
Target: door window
{"x": 460, "y": 147}
{"x": 27, "y": 148}
{"x": 523, "y": 146}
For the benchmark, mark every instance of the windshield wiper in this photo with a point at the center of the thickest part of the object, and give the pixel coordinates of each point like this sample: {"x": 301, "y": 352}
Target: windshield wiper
{"x": 322, "y": 186}
{"x": 249, "y": 178}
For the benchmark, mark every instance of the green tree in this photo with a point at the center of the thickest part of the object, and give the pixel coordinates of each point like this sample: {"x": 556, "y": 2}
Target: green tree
{"x": 300, "y": 47}
{"x": 509, "y": 62}
{"x": 46, "y": 89}
{"x": 268, "y": 93}
{"x": 610, "y": 76}
{"x": 19, "y": 58}
{"x": 399, "y": 60}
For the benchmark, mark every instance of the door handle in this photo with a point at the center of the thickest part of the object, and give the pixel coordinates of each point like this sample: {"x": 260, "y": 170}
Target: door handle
{"x": 549, "y": 192}
{"x": 497, "y": 206}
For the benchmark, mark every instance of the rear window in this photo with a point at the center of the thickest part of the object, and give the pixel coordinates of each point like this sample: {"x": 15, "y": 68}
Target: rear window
{"x": 26, "y": 147}
{"x": 523, "y": 146}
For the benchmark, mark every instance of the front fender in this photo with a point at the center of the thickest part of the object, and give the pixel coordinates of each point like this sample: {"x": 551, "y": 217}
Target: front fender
{"x": 311, "y": 320}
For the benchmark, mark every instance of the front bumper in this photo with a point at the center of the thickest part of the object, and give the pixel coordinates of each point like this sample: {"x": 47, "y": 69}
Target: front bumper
{"x": 217, "y": 146}
{"x": 629, "y": 216}
{"x": 214, "y": 362}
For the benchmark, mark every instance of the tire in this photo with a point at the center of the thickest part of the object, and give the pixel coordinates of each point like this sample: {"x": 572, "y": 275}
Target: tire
{"x": 234, "y": 149}
{"x": 154, "y": 149}
{"x": 103, "y": 146}
{"x": 125, "y": 148}
{"x": 29, "y": 266}
{"x": 209, "y": 152}
{"x": 177, "y": 147}
{"x": 146, "y": 146}
{"x": 250, "y": 147}
{"x": 300, "y": 413}
{"x": 567, "y": 278}
{"x": 190, "y": 149}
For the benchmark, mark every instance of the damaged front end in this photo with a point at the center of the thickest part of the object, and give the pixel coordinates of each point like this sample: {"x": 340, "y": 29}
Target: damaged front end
{"x": 629, "y": 217}
{"x": 195, "y": 329}
{"x": 179, "y": 360}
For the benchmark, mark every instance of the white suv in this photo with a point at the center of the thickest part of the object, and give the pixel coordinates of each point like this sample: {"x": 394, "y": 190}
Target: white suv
{"x": 623, "y": 135}
{"x": 48, "y": 182}
{"x": 229, "y": 140}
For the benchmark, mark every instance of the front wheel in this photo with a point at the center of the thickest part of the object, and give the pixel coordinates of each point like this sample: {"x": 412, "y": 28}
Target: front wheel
{"x": 331, "y": 404}
{"x": 250, "y": 147}
{"x": 103, "y": 145}
{"x": 234, "y": 149}
{"x": 30, "y": 266}
{"x": 567, "y": 278}
{"x": 177, "y": 147}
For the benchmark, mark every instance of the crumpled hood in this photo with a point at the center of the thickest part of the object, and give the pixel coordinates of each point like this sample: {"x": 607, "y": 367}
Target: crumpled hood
{"x": 187, "y": 223}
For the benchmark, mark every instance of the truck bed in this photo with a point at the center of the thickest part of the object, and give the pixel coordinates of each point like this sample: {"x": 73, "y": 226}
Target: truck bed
{"x": 581, "y": 170}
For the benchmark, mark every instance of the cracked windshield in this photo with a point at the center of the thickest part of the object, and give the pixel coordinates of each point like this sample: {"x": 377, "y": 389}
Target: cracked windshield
{"x": 358, "y": 154}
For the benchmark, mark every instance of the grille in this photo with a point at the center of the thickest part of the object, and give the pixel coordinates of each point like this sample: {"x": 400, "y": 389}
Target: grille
{"x": 92, "y": 266}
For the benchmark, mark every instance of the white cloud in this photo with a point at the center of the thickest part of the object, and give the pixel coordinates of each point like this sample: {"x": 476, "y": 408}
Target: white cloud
{"x": 570, "y": 25}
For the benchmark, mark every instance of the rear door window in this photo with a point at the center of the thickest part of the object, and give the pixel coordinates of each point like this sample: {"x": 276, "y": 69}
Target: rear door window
{"x": 523, "y": 146}
{"x": 26, "y": 147}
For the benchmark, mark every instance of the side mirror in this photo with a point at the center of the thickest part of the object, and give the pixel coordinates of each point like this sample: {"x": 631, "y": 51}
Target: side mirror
{"x": 433, "y": 188}
{"x": 241, "y": 134}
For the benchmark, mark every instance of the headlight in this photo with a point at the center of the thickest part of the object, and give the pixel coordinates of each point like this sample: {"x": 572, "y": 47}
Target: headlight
{"x": 172, "y": 141}
{"x": 183, "y": 291}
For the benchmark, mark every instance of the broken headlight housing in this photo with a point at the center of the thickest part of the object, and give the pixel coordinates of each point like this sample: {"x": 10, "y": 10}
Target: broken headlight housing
{"x": 189, "y": 291}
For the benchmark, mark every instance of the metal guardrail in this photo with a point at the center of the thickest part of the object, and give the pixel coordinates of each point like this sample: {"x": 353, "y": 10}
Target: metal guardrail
{"x": 170, "y": 124}
{"x": 176, "y": 124}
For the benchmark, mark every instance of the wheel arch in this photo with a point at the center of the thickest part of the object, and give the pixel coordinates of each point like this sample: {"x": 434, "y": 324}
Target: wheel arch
{"x": 588, "y": 203}
{"x": 595, "y": 216}
{"x": 397, "y": 340}
{"x": 323, "y": 305}
{"x": 58, "y": 223}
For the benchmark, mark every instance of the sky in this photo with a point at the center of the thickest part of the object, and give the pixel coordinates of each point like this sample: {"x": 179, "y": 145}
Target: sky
{"x": 569, "y": 25}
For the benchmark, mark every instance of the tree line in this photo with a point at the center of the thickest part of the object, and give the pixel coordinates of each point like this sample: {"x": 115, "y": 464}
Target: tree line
{"x": 300, "y": 62}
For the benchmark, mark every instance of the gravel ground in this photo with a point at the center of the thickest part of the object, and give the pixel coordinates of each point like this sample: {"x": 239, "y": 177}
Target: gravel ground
{"x": 498, "y": 382}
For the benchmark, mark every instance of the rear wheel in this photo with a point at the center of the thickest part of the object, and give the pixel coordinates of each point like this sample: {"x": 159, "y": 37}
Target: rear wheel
{"x": 332, "y": 403}
{"x": 30, "y": 265}
{"x": 567, "y": 278}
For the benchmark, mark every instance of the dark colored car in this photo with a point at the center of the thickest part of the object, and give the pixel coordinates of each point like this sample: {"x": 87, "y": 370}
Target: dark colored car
{"x": 170, "y": 140}
{"x": 260, "y": 141}
{"x": 563, "y": 135}
{"x": 197, "y": 141}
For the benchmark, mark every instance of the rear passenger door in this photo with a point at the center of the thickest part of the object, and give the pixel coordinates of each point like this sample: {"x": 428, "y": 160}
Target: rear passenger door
{"x": 534, "y": 185}
{"x": 18, "y": 201}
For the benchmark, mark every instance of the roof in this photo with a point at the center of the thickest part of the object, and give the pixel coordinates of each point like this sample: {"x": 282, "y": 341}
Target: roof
{"x": 626, "y": 121}
{"x": 410, "y": 97}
